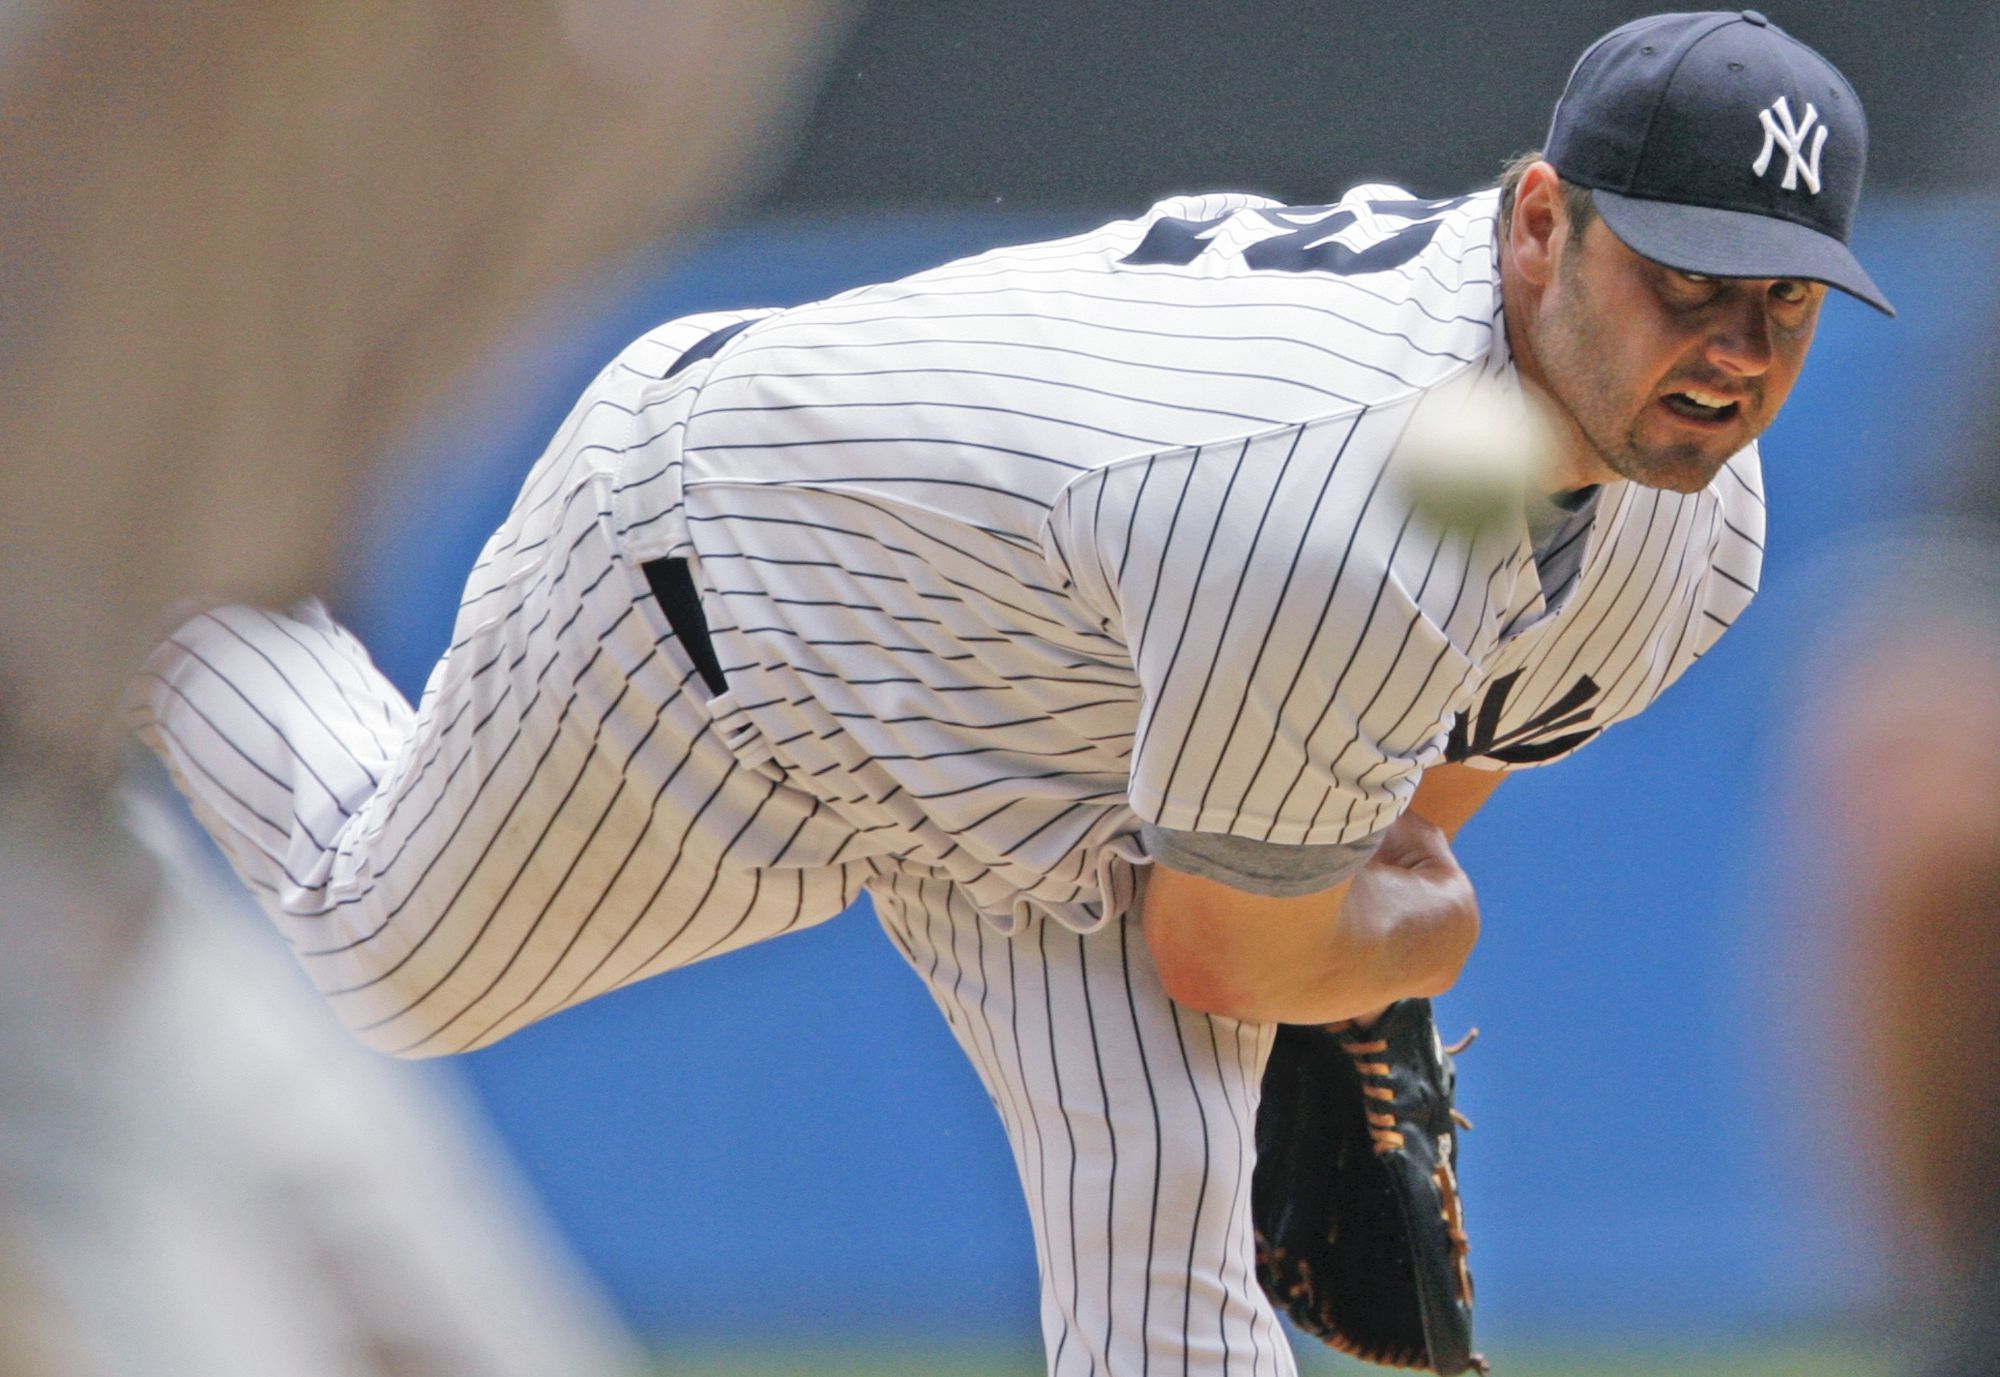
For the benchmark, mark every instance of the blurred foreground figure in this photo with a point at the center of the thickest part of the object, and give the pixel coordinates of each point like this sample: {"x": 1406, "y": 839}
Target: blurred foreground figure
{"x": 205, "y": 1176}
{"x": 1915, "y": 833}
{"x": 246, "y": 245}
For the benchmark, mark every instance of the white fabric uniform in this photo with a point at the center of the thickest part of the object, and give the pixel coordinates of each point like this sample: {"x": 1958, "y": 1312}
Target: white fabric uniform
{"x": 1001, "y": 561}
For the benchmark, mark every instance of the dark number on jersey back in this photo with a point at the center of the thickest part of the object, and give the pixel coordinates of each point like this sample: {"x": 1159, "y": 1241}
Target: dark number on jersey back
{"x": 1303, "y": 241}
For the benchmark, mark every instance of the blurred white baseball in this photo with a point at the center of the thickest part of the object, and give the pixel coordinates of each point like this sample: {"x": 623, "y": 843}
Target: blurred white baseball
{"x": 1473, "y": 451}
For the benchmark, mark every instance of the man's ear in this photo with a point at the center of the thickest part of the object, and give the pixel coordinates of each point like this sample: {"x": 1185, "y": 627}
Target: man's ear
{"x": 1541, "y": 220}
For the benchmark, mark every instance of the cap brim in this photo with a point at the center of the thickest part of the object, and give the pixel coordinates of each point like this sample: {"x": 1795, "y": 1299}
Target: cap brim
{"x": 1735, "y": 243}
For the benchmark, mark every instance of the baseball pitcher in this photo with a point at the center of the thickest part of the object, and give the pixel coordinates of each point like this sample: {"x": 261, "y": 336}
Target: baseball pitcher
{"x": 1080, "y": 603}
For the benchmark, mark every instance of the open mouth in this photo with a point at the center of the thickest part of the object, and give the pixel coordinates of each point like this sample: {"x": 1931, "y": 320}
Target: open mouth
{"x": 1703, "y": 408}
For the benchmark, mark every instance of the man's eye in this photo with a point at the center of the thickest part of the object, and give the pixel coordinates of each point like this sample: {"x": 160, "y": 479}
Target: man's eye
{"x": 1790, "y": 292}
{"x": 1691, "y": 288}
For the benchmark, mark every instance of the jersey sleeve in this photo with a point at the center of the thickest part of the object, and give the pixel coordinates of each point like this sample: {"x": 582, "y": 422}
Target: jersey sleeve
{"x": 1268, "y": 868}
{"x": 1279, "y": 607}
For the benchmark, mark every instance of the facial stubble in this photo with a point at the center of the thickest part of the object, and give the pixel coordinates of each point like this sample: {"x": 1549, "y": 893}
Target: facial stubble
{"x": 1575, "y": 347}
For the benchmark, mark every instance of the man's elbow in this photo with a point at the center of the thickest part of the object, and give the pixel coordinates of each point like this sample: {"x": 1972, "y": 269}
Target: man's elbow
{"x": 1201, "y": 973}
{"x": 1201, "y": 986}
{"x": 1189, "y": 975}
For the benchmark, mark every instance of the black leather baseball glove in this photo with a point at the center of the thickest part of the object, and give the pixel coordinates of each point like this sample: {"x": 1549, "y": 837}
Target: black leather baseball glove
{"x": 1360, "y": 1235}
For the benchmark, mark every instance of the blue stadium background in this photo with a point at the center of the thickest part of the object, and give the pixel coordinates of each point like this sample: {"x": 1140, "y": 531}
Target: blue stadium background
{"x": 786, "y": 1141}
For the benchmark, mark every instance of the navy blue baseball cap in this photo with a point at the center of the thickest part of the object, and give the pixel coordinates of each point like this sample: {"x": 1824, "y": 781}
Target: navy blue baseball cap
{"x": 1717, "y": 143}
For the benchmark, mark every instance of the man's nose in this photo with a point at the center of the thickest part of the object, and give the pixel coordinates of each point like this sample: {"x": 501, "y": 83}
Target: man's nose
{"x": 1739, "y": 341}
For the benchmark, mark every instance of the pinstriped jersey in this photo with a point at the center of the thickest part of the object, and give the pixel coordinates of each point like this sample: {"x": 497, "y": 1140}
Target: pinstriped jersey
{"x": 1011, "y": 555}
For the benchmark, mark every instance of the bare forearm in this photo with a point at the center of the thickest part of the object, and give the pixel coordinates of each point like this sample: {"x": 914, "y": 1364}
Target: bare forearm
{"x": 1363, "y": 959}
{"x": 1448, "y": 795}
{"x": 1402, "y": 927}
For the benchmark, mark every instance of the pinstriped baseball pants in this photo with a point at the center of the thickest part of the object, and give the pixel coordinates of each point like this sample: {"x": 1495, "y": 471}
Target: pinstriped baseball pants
{"x": 1132, "y": 1125}
{"x": 567, "y": 811}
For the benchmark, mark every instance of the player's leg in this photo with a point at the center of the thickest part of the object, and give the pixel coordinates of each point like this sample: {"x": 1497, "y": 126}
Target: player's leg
{"x": 557, "y": 818}
{"x": 1132, "y": 1124}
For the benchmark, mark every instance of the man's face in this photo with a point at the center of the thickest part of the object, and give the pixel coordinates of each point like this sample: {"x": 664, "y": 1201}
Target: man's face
{"x": 1665, "y": 374}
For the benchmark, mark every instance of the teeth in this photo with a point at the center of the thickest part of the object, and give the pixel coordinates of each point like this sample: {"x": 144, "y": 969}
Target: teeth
{"x": 1708, "y": 399}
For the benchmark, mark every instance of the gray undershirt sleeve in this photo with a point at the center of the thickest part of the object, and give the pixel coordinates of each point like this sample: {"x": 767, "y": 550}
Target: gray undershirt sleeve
{"x": 1255, "y": 867}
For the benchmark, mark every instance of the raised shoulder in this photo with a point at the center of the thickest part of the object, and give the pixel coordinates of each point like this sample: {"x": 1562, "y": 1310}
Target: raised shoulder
{"x": 978, "y": 390}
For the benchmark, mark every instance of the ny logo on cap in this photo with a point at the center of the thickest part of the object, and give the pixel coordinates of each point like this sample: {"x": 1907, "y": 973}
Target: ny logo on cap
{"x": 1781, "y": 132}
